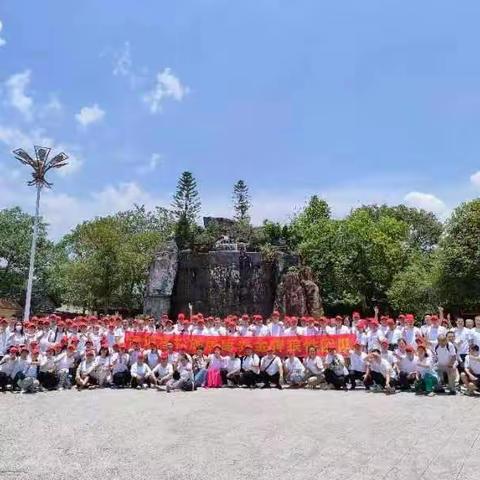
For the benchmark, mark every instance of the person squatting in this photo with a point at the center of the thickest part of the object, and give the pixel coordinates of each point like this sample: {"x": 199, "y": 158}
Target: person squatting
{"x": 388, "y": 354}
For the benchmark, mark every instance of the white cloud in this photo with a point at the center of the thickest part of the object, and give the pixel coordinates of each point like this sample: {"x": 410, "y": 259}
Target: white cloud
{"x": 89, "y": 115}
{"x": 151, "y": 165}
{"x": 425, "y": 201}
{"x": 167, "y": 86}
{"x": 16, "y": 87}
{"x": 2, "y": 40}
{"x": 123, "y": 62}
{"x": 475, "y": 179}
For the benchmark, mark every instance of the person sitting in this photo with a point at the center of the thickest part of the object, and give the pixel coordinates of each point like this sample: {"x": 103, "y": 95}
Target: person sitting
{"x": 215, "y": 363}
{"x": 379, "y": 372}
{"x": 163, "y": 370}
{"x": 313, "y": 364}
{"x": 199, "y": 362}
{"x": 7, "y": 365}
{"x": 120, "y": 371}
{"x": 47, "y": 374}
{"x": 471, "y": 374}
{"x": 29, "y": 383}
{"x": 294, "y": 370}
{"x": 184, "y": 380}
{"x": 271, "y": 370}
{"x": 427, "y": 378}
{"x": 141, "y": 374}
{"x": 357, "y": 367}
{"x": 335, "y": 370}
{"x": 250, "y": 368}
{"x": 232, "y": 370}
{"x": 407, "y": 367}
{"x": 65, "y": 364}
{"x": 84, "y": 377}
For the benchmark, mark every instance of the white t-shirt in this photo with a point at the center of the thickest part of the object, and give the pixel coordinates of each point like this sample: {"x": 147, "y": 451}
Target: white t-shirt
{"x": 382, "y": 367}
{"x": 472, "y": 362}
{"x": 336, "y": 363}
{"x": 294, "y": 365}
{"x": 233, "y": 364}
{"x": 407, "y": 365}
{"x": 140, "y": 371}
{"x": 251, "y": 363}
{"x": 444, "y": 355}
{"x": 275, "y": 329}
{"x": 163, "y": 370}
{"x": 424, "y": 366}
{"x": 357, "y": 361}
{"x": 409, "y": 334}
{"x": 373, "y": 339}
{"x": 273, "y": 366}
{"x": 315, "y": 365}
{"x": 119, "y": 362}
{"x": 63, "y": 362}
{"x": 432, "y": 333}
{"x": 463, "y": 336}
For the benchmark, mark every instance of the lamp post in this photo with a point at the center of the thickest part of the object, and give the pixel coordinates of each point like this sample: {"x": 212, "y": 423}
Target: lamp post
{"x": 40, "y": 166}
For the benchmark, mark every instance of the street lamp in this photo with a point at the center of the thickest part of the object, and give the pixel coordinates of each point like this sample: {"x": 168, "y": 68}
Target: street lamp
{"x": 41, "y": 165}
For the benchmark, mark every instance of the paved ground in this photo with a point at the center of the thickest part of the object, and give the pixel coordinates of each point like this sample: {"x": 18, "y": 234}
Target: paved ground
{"x": 238, "y": 434}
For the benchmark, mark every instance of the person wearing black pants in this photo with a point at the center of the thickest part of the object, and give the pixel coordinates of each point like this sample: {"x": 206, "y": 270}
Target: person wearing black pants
{"x": 271, "y": 370}
{"x": 250, "y": 368}
{"x": 335, "y": 370}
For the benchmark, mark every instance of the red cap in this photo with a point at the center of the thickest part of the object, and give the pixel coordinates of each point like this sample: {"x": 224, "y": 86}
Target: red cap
{"x": 13, "y": 350}
{"x": 384, "y": 341}
{"x": 164, "y": 356}
{"x": 409, "y": 348}
{"x": 72, "y": 348}
{"x": 275, "y": 313}
{"x": 90, "y": 353}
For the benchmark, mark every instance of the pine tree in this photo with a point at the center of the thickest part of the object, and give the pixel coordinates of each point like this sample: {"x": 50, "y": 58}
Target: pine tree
{"x": 241, "y": 201}
{"x": 186, "y": 202}
{"x": 186, "y": 207}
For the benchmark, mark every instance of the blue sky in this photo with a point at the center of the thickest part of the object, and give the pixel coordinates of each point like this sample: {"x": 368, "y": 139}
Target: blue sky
{"x": 357, "y": 102}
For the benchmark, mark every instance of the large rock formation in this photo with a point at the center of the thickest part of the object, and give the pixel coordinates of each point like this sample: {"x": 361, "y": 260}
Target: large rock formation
{"x": 161, "y": 280}
{"x": 297, "y": 294}
{"x": 228, "y": 279}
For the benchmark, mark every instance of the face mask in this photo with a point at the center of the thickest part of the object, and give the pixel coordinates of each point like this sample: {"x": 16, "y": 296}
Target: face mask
{"x": 18, "y": 328}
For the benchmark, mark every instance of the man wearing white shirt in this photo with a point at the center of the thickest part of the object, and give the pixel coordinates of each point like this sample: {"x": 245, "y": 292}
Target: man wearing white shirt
{"x": 275, "y": 328}
{"x": 232, "y": 371}
{"x": 407, "y": 367}
{"x": 374, "y": 336}
{"x": 271, "y": 370}
{"x": 294, "y": 370}
{"x": 379, "y": 372}
{"x": 258, "y": 329}
{"x": 446, "y": 362}
{"x": 357, "y": 365}
{"x": 463, "y": 339}
{"x": 141, "y": 373}
{"x": 434, "y": 331}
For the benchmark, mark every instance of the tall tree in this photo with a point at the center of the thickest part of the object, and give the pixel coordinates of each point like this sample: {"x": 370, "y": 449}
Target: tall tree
{"x": 186, "y": 201}
{"x": 241, "y": 201}
{"x": 186, "y": 207}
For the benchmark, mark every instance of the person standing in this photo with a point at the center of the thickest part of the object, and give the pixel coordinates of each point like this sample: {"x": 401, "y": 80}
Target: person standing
{"x": 446, "y": 362}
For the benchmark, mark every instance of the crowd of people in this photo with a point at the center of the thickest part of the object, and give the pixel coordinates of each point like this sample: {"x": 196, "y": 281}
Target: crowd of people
{"x": 389, "y": 354}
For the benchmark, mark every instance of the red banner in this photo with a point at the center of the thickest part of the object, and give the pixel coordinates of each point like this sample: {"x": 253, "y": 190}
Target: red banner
{"x": 281, "y": 345}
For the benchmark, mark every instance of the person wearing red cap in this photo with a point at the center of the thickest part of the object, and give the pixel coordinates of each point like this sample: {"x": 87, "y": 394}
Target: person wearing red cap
{"x": 29, "y": 383}
{"x": 407, "y": 367}
{"x": 217, "y": 328}
{"x": 427, "y": 378}
{"x": 152, "y": 355}
{"x": 163, "y": 371}
{"x": 271, "y": 370}
{"x": 21, "y": 364}
{"x": 258, "y": 329}
{"x": 199, "y": 328}
{"x": 335, "y": 369}
{"x": 65, "y": 366}
{"x": 339, "y": 328}
{"x": 386, "y": 353}
{"x": 314, "y": 372}
{"x": 84, "y": 376}
{"x": 393, "y": 334}
{"x": 120, "y": 372}
{"x": 275, "y": 327}
{"x": 380, "y": 373}
{"x": 357, "y": 367}
{"x": 141, "y": 373}
{"x": 47, "y": 374}
{"x": 7, "y": 365}
{"x": 243, "y": 324}
{"x": 58, "y": 334}
{"x": 294, "y": 370}
{"x": 250, "y": 368}
{"x": 215, "y": 363}
{"x": 410, "y": 332}
{"x": 434, "y": 331}
{"x": 374, "y": 335}
{"x": 291, "y": 327}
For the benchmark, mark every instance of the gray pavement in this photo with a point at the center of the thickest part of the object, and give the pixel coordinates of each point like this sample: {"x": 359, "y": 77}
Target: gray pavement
{"x": 238, "y": 434}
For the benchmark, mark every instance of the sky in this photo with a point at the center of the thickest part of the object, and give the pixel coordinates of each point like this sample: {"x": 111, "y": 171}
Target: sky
{"x": 357, "y": 102}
